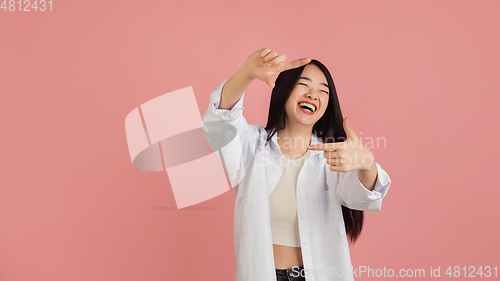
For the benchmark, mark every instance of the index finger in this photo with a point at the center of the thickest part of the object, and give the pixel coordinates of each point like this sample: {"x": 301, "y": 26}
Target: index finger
{"x": 295, "y": 64}
{"x": 328, "y": 146}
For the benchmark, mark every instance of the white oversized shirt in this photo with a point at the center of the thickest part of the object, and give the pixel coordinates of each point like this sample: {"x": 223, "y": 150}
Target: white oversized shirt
{"x": 254, "y": 166}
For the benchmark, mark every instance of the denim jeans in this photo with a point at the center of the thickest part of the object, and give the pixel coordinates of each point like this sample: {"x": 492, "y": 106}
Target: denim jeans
{"x": 295, "y": 273}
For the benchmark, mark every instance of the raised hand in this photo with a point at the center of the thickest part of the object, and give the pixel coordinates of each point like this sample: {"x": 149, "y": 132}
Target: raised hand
{"x": 348, "y": 155}
{"x": 265, "y": 63}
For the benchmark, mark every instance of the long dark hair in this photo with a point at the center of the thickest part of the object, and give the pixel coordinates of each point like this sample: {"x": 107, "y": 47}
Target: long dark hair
{"x": 329, "y": 128}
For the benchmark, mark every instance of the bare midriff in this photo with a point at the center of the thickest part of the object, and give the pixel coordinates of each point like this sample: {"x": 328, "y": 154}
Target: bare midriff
{"x": 287, "y": 257}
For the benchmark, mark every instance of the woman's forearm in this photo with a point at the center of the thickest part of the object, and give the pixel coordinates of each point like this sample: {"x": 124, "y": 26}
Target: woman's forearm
{"x": 234, "y": 88}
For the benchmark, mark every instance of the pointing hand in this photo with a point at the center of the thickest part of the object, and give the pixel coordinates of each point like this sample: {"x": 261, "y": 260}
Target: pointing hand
{"x": 346, "y": 156}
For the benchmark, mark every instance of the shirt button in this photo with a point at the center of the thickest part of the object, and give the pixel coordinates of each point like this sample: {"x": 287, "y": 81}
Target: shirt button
{"x": 301, "y": 189}
{"x": 305, "y": 243}
{"x": 303, "y": 218}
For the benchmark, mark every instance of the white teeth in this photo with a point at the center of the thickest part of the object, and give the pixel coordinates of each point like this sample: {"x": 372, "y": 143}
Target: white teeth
{"x": 312, "y": 107}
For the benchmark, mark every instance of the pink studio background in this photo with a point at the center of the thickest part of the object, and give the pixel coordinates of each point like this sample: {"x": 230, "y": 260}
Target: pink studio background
{"x": 422, "y": 74}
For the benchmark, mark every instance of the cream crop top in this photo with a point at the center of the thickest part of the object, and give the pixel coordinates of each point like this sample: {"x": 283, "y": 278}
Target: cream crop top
{"x": 283, "y": 205}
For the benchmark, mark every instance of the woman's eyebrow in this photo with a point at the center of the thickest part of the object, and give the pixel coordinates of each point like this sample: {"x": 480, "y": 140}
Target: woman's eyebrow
{"x": 309, "y": 79}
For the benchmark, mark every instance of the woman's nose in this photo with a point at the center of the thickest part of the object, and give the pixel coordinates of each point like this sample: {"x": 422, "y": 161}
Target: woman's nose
{"x": 311, "y": 95}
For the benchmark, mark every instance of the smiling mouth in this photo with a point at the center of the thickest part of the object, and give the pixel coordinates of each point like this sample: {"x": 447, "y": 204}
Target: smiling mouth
{"x": 307, "y": 107}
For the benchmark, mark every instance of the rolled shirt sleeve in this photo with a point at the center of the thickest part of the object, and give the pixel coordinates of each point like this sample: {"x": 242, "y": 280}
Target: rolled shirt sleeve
{"x": 231, "y": 116}
{"x": 354, "y": 195}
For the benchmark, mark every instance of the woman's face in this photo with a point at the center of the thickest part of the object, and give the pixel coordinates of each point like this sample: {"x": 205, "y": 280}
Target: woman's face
{"x": 312, "y": 88}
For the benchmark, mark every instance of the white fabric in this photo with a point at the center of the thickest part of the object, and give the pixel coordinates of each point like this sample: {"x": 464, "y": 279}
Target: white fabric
{"x": 254, "y": 167}
{"x": 283, "y": 205}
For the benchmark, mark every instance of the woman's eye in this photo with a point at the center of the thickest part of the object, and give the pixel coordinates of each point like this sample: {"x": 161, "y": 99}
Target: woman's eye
{"x": 307, "y": 86}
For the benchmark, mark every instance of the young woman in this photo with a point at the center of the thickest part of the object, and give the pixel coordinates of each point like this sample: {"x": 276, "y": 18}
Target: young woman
{"x": 302, "y": 182}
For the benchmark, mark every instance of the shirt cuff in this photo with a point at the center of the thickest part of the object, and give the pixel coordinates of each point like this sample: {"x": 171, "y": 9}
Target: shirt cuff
{"x": 225, "y": 114}
{"x": 381, "y": 185}
{"x": 354, "y": 195}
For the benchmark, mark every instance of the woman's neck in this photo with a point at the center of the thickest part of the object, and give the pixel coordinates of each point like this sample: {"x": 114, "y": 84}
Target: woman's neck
{"x": 294, "y": 142}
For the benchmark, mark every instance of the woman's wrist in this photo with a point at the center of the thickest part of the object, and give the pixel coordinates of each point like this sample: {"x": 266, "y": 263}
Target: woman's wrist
{"x": 245, "y": 73}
